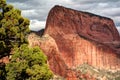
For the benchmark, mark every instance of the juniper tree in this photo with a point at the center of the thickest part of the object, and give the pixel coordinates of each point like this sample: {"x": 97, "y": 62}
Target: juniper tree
{"x": 25, "y": 63}
{"x": 28, "y": 64}
{"x": 13, "y": 28}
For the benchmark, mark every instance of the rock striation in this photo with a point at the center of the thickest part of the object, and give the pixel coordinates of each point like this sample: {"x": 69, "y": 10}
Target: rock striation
{"x": 76, "y": 38}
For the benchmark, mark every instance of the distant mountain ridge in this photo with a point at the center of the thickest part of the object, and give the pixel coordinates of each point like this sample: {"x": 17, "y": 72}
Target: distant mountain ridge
{"x": 39, "y": 33}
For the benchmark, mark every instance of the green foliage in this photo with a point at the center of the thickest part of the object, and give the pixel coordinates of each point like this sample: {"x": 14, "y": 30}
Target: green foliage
{"x": 13, "y": 27}
{"x": 118, "y": 78}
{"x": 2, "y": 46}
{"x": 2, "y": 71}
{"x": 2, "y": 3}
{"x": 28, "y": 64}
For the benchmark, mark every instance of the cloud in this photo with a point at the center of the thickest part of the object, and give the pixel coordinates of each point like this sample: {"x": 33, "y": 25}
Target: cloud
{"x": 20, "y": 1}
{"x": 118, "y": 28}
{"x": 33, "y": 14}
{"x": 93, "y": 1}
{"x": 37, "y": 10}
{"x": 36, "y": 25}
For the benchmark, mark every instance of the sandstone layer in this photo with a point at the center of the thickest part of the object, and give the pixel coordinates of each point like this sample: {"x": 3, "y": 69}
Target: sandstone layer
{"x": 76, "y": 38}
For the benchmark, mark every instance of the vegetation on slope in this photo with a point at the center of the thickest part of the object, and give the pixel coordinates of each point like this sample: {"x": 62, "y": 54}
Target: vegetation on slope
{"x": 97, "y": 74}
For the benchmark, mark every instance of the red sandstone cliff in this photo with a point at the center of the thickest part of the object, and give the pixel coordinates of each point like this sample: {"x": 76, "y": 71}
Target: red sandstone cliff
{"x": 76, "y": 38}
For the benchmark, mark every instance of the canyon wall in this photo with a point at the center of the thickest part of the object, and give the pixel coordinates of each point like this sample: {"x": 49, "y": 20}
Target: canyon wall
{"x": 84, "y": 37}
{"x": 75, "y": 38}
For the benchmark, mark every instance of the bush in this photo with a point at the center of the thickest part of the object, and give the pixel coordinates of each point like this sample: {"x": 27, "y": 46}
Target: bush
{"x": 28, "y": 64}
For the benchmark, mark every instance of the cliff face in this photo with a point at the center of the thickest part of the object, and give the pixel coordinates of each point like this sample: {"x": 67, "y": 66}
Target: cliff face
{"x": 49, "y": 47}
{"x": 77, "y": 38}
{"x": 64, "y": 21}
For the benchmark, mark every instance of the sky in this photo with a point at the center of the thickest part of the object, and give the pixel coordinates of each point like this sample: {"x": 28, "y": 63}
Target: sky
{"x": 37, "y": 10}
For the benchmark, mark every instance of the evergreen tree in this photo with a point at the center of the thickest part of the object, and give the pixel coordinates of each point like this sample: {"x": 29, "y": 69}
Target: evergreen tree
{"x": 28, "y": 64}
{"x": 13, "y": 28}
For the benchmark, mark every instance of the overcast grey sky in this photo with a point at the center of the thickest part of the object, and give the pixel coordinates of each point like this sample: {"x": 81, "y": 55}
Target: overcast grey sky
{"x": 37, "y": 10}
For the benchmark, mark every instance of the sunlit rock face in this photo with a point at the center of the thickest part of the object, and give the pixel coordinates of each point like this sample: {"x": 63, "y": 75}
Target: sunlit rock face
{"x": 76, "y": 38}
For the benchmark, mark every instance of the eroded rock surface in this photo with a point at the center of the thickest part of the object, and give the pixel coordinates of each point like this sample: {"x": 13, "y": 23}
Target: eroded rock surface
{"x": 76, "y": 38}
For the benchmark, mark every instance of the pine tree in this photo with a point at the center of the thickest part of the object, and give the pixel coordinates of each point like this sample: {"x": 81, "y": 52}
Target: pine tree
{"x": 25, "y": 63}
{"x": 28, "y": 64}
{"x": 13, "y": 28}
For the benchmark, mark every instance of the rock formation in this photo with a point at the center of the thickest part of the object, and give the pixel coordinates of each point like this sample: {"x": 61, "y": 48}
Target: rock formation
{"x": 76, "y": 38}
